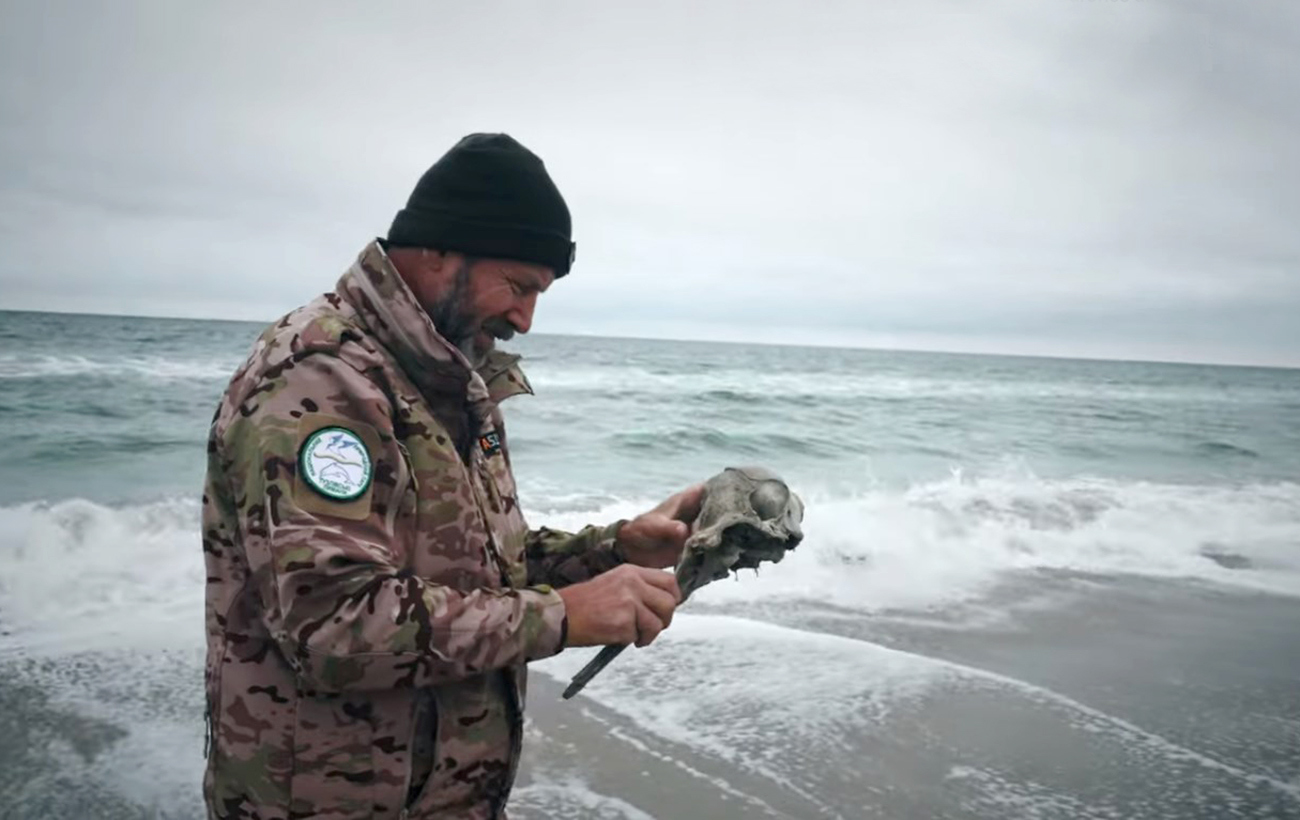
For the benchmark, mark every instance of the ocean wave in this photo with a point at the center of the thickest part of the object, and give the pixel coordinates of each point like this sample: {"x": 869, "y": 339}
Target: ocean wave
{"x": 732, "y": 385}
{"x": 89, "y": 449}
{"x": 154, "y": 368}
{"x": 946, "y": 541}
{"x": 81, "y": 575}
{"x": 713, "y": 440}
{"x": 77, "y": 572}
{"x": 1125, "y": 415}
{"x": 1223, "y": 448}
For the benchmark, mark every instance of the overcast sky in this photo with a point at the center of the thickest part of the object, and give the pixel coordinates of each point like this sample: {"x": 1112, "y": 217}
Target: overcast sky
{"x": 1116, "y": 178}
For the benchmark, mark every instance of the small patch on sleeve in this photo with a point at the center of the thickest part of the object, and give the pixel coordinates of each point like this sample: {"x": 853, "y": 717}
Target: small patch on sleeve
{"x": 490, "y": 443}
{"x": 336, "y": 466}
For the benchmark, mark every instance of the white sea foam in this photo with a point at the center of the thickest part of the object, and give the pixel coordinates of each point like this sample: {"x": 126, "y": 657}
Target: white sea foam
{"x": 715, "y": 782}
{"x": 549, "y": 377}
{"x": 945, "y": 541}
{"x": 739, "y": 691}
{"x": 753, "y": 701}
{"x": 76, "y": 572}
{"x": 83, "y": 577}
{"x": 79, "y": 575}
{"x": 1001, "y": 795}
{"x": 570, "y": 797}
{"x": 154, "y": 368}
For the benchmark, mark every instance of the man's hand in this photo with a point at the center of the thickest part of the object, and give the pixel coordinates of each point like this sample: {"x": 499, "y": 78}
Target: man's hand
{"x": 655, "y": 539}
{"x": 625, "y": 605}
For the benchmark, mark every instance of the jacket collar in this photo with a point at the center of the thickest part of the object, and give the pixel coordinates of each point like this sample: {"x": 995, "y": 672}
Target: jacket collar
{"x": 390, "y": 312}
{"x": 503, "y": 377}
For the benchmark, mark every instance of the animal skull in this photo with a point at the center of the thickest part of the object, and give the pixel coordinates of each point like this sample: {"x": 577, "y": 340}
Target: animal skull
{"x": 748, "y": 516}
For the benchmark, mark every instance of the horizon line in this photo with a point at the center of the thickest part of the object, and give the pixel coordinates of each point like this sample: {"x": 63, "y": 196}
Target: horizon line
{"x": 799, "y": 345}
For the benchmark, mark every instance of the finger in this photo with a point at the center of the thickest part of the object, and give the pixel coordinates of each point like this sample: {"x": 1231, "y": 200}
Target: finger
{"x": 663, "y": 531}
{"x": 663, "y": 580}
{"x": 661, "y": 602}
{"x": 648, "y": 626}
{"x": 685, "y": 505}
{"x": 689, "y": 502}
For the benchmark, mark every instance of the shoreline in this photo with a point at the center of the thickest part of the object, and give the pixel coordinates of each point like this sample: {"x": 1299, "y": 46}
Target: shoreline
{"x": 1059, "y": 695}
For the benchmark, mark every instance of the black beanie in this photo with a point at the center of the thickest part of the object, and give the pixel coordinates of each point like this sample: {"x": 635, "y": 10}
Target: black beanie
{"x": 488, "y": 196}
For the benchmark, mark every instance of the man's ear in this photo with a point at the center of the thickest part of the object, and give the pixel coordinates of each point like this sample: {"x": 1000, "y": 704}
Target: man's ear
{"x": 418, "y": 260}
{"x": 432, "y": 260}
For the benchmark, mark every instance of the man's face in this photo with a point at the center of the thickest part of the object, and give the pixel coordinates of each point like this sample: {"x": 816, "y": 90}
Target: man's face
{"x": 477, "y": 301}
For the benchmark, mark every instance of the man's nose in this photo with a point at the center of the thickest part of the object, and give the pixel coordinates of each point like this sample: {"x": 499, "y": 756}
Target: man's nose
{"x": 521, "y": 314}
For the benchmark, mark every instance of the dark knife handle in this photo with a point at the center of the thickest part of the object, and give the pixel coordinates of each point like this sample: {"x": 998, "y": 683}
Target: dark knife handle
{"x": 592, "y": 668}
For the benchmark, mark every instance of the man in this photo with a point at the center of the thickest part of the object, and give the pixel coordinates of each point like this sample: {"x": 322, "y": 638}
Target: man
{"x": 373, "y": 590}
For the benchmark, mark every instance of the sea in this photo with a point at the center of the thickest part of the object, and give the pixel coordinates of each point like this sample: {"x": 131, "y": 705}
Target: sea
{"x": 1029, "y": 588}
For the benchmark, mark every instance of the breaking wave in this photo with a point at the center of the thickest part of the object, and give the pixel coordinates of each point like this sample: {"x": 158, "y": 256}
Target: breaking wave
{"x": 154, "y": 368}
{"x": 80, "y": 572}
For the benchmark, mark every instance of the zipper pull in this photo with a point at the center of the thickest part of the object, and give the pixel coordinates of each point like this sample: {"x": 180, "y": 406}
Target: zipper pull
{"x": 208, "y": 729}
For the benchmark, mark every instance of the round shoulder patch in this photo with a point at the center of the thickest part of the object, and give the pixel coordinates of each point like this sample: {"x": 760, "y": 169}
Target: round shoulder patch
{"x": 335, "y": 463}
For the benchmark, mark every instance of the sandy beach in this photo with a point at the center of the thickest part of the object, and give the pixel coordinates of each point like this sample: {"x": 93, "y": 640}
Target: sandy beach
{"x": 1123, "y": 698}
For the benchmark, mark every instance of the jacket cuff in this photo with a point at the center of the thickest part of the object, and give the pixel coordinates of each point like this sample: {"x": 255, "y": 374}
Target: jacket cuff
{"x": 608, "y": 539}
{"x": 546, "y": 623}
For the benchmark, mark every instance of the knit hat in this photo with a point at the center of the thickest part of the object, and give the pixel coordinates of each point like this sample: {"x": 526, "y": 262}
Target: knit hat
{"x": 488, "y": 196}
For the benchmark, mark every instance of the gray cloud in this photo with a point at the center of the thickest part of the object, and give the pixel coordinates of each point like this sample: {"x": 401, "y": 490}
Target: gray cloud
{"x": 1097, "y": 177}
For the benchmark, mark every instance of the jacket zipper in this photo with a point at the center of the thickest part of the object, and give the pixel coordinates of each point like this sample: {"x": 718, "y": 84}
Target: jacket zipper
{"x": 516, "y": 740}
{"x": 399, "y": 492}
{"x": 394, "y": 512}
{"x": 432, "y": 703}
{"x": 479, "y": 470}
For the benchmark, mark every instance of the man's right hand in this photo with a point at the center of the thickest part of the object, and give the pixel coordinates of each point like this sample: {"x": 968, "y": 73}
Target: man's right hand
{"x": 628, "y": 604}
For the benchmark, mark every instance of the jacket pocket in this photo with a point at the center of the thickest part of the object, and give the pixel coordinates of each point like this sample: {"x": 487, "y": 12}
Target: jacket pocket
{"x": 476, "y": 727}
{"x": 506, "y": 522}
{"x": 333, "y": 764}
{"x": 423, "y": 745}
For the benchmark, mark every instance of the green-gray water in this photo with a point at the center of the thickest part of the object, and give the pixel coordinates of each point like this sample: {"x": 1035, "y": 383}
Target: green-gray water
{"x": 1031, "y": 587}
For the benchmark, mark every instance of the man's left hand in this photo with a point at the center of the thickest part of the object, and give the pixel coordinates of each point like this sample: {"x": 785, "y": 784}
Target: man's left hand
{"x": 655, "y": 539}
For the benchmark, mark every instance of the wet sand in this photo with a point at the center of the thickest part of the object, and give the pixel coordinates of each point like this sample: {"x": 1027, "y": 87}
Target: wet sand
{"x": 1058, "y": 696}
{"x": 1064, "y": 696}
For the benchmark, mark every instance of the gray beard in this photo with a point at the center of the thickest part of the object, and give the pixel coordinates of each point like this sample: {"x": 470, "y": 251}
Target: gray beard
{"x": 476, "y": 357}
{"x": 449, "y": 320}
{"x": 447, "y": 315}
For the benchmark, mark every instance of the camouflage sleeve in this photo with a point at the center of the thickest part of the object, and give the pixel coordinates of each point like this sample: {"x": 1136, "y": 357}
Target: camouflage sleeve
{"x": 343, "y": 612}
{"x": 561, "y": 558}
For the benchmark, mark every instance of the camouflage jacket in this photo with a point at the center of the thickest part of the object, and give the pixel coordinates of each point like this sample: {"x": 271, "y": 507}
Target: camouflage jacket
{"x": 369, "y": 635}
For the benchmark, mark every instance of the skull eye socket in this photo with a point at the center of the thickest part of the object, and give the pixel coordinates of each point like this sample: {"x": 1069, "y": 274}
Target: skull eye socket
{"x": 769, "y": 500}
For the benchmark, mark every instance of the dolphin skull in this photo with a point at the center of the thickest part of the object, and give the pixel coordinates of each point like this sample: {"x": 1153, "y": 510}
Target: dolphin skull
{"x": 748, "y": 516}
